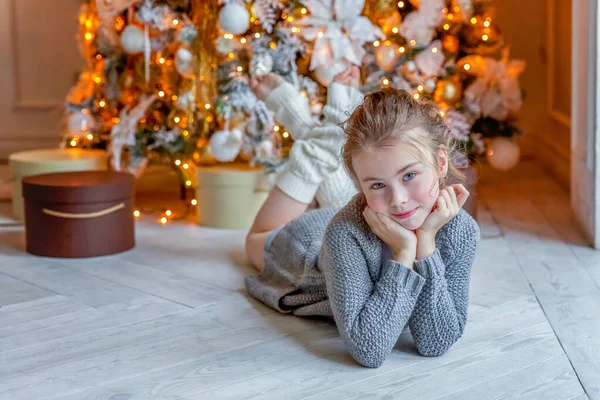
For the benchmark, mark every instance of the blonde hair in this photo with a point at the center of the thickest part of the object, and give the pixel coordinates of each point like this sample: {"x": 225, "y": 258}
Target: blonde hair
{"x": 389, "y": 115}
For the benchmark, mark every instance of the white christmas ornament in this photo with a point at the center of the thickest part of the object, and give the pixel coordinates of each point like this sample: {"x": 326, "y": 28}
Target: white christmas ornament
{"x": 503, "y": 153}
{"x": 79, "y": 123}
{"x": 234, "y": 18}
{"x": 325, "y": 74}
{"x": 226, "y": 145}
{"x": 339, "y": 31}
{"x": 132, "y": 39}
{"x": 184, "y": 62}
{"x": 386, "y": 55}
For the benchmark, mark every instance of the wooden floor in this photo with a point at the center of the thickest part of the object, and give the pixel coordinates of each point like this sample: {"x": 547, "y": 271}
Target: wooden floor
{"x": 171, "y": 319}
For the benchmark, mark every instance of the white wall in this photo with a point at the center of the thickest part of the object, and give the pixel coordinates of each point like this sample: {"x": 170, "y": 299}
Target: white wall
{"x": 39, "y": 61}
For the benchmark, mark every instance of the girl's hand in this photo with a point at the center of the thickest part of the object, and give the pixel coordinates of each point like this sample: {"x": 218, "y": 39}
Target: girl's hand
{"x": 349, "y": 77}
{"x": 446, "y": 207}
{"x": 263, "y": 85}
{"x": 402, "y": 241}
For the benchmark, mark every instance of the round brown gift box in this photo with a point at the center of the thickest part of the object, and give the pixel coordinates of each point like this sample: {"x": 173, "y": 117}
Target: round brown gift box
{"x": 79, "y": 214}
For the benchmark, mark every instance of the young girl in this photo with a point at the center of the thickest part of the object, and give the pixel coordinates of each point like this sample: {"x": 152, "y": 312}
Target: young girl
{"x": 400, "y": 253}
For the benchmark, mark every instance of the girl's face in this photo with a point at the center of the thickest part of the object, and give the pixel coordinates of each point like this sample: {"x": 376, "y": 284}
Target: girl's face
{"x": 395, "y": 183}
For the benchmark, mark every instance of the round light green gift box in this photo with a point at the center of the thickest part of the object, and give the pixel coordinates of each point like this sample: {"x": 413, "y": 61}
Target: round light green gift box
{"x": 35, "y": 162}
{"x": 230, "y": 195}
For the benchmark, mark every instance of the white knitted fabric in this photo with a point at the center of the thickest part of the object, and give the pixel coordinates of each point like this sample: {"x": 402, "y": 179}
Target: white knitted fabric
{"x": 315, "y": 167}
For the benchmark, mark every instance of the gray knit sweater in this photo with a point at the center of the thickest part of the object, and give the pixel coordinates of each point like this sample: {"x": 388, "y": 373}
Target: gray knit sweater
{"x": 331, "y": 264}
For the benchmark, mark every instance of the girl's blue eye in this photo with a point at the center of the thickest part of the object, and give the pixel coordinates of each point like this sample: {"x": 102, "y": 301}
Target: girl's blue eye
{"x": 409, "y": 176}
{"x": 377, "y": 185}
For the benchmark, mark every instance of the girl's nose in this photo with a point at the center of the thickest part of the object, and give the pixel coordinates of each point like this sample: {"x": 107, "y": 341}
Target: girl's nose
{"x": 399, "y": 197}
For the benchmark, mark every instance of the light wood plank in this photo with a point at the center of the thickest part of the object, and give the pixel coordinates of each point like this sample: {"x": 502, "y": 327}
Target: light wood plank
{"x": 39, "y": 309}
{"x": 127, "y": 353}
{"x": 567, "y": 292}
{"x": 14, "y": 291}
{"x": 338, "y": 367}
{"x": 222, "y": 368}
{"x": 496, "y": 277}
{"x": 61, "y": 279}
{"x": 546, "y": 379}
{"x": 571, "y": 301}
{"x": 218, "y": 259}
{"x": 156, "y": 282}
{"x": 323, "y": 379}
{"x": 47, "y": 330}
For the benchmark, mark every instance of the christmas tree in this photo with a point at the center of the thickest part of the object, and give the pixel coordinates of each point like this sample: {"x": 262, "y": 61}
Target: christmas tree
{"x": 169, "y": 80}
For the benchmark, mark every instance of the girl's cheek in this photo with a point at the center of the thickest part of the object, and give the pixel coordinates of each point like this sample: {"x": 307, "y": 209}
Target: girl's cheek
{"x": 376, "y": 201}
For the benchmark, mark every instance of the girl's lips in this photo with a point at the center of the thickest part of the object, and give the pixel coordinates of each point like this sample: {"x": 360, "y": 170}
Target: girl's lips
{"x": 406, "y": 214}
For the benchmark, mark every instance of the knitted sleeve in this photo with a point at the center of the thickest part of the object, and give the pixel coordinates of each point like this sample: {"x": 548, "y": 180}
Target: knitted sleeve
{"x": 370, "y": 315}
{"x": 440, "y": 315}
